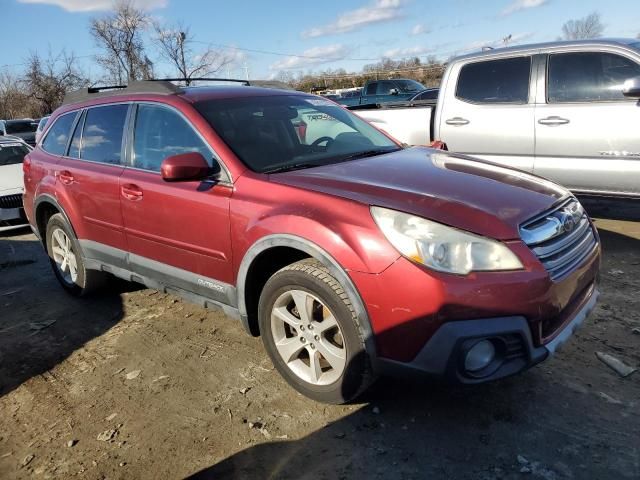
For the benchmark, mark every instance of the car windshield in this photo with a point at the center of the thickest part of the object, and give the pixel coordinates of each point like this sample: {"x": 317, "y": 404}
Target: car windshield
{"x": 409, "y": 85}
{"x": 22, "y": 126}
{"x": 287, "y": 132}
{"x": 12, "y": 153}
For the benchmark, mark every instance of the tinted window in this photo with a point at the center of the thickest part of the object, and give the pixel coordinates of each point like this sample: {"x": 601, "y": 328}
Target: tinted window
{"x": 19, "y": 126}
{"x": 291, "y": 131}
{"x": 495, "y": 81}
{"x": 58, "y": 135}
{"x": 384, "y": 87}
{"x": 160, "y": 133}
{"x": 408, "y": 86}
{"x": 588, "y": 77}
{"x": 11, "y": 153}
{"x": 102, "y": 134}
{"x": 428, "y": 95}
{"x": 371, "y": 88}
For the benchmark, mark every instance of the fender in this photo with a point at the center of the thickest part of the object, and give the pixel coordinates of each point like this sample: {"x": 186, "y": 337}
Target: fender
{"x": 293, "y": 241}
{"x": 47, "y": 198}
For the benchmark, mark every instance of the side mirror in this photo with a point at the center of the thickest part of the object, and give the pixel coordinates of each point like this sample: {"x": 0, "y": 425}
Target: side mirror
{"x": 185, "y": 167}
{"x": 394, "y": 91}
{"x": 631, "y": 87}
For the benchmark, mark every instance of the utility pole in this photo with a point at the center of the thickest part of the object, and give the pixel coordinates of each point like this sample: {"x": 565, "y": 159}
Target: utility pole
{"x": 246, "y": 71}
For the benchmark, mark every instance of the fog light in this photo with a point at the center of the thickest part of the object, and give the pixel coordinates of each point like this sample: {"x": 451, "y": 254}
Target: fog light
{"x": 479, "y": 356}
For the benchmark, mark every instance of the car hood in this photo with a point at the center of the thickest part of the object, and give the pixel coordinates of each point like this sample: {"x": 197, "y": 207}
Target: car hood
{"x": 11, "y": 178}
{"x": 456, "y": 190}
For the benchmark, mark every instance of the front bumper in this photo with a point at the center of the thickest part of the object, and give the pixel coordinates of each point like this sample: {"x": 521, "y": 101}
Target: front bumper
{"x": 443, "y": 355}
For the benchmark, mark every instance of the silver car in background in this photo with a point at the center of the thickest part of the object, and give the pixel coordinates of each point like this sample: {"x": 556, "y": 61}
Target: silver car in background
{"x": 568, "y": 111}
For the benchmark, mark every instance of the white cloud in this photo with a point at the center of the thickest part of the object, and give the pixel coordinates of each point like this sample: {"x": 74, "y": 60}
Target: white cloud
{"x": 407, "y": 52}
{"x": 419, "y": 29}
{"x": 311, "y": 57}
{"x": 377, "y": 12}
{"x": 519, "y": 5}
{"x": 97, "y": 5}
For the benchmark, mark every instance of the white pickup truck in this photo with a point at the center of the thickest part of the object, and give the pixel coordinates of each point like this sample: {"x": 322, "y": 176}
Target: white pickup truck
{"x": 568, "y": 111}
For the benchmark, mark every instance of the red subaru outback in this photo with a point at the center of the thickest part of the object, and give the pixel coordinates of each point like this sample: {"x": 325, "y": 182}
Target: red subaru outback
{"x": 349, "y": 254}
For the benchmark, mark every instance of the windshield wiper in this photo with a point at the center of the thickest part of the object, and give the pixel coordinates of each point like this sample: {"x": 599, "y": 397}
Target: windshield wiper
{"x": 367, "y": 153}
{"x": 288, "y": 168}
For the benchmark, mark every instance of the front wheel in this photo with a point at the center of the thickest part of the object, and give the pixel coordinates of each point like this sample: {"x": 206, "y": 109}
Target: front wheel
{"x": 311, "y": 332}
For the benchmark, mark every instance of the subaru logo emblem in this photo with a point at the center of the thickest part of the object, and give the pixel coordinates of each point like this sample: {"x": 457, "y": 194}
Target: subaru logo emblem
{"x": 567, "y": 223}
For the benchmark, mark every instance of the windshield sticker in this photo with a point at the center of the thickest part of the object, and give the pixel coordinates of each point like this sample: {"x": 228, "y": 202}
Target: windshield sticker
{"x": 8, "y": 145}
{"x": 320, "y": 102}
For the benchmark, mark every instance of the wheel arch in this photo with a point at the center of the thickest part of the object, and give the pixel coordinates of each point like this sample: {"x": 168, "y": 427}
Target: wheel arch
{"x": 292, "y": 243}
{"x": 44, "y": 208}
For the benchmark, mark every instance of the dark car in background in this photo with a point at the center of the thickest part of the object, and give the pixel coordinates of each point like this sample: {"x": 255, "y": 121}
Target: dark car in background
{"x": 23, "y": 129}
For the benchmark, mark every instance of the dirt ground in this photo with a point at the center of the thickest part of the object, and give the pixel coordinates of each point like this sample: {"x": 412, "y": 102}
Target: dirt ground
{"x": 137, "y": 384}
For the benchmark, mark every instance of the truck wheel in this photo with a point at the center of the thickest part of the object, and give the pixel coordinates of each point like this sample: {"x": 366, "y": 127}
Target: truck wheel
{"x": 311, "y": 332}
{"x": 66, "y": 259}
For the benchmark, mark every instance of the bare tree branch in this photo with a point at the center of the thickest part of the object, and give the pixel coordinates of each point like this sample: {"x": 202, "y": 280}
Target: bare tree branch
{"x": 588, "y": 27}
{"x": 175, "y": 44}
{"x": 119, "y": 35}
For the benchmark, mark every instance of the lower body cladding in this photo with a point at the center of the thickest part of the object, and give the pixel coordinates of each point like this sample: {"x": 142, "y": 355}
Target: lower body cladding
{"x": 475, "y": 351}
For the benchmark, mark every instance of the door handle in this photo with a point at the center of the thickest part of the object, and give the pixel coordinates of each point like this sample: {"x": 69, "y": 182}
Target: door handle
{"x": 553, "y": 121}
{"x": 65, "y": 177}
{"x": 457, "y": 121}
{"x": 131, "y": 192}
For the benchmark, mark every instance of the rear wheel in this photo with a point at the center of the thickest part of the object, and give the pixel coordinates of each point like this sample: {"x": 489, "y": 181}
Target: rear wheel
{"x": 66, "y": 259}
{"x": 311, "y": 332}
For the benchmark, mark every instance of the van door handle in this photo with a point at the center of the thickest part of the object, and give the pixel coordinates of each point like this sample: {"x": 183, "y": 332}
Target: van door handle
{"x": 131, "y": 192}
{"x": 553, "y": 121}
{"x": 65, "y": 177}
{"x": 457, "y": 121}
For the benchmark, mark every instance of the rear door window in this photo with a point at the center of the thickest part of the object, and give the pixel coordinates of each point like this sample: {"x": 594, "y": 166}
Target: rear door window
{"x": 588, "y": 77}
{"x": 160, "y": 133}
{"x": 102, "y": 134}
{"x": 384, "y": 87}
{"x": 58, "y": 135}
{"x": 371, "y": 88}
{"x": 495, "y": 81}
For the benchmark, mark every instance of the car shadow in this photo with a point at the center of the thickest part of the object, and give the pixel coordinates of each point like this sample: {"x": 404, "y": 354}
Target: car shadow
{"x": 40, "y": 324}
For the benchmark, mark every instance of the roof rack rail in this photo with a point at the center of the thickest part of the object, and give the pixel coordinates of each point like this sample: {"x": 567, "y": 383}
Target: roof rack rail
{"x": 138, "y": 86}
{"x": 200, "y": 79}
{"x": 162, "y": 86}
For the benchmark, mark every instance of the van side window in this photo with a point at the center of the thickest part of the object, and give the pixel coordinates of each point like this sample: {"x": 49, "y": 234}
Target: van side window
{"x": 159, "y": 133}
{"x": 495, "y": 81}
{"x": 588, "y": 77}
{"x": 371, "y": 88}
{"x": 57, "y": 137}
{"x": 102, "y": 134}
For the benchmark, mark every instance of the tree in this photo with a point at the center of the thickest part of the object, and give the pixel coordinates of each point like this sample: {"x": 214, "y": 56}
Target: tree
{"x": 120, "y": 35}
{"x": 175, "y": 44}
{"x": 13, "y": 98}
{"x": 588, "y": 27}
{"x": 48, "y": 79}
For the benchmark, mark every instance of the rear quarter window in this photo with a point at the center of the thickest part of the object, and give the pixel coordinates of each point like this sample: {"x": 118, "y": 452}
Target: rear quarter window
{"x": 57, "y": 137}
{"x": 495, "y": 81}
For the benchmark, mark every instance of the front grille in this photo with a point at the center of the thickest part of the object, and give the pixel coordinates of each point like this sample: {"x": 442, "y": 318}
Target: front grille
{"x": 11, "y": 201}
{"x": 561, "y": 238}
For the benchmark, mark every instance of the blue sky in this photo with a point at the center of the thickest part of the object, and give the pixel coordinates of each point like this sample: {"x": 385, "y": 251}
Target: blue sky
{"x": 312, "y": 35}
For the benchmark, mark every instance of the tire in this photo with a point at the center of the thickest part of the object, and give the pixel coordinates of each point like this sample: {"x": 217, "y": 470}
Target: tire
{"x": 341, "y": 367}
{"x": 84, "y": 281}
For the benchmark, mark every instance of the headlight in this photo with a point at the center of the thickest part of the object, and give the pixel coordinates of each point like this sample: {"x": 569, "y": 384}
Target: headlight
{"x": 440, "y": 247}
